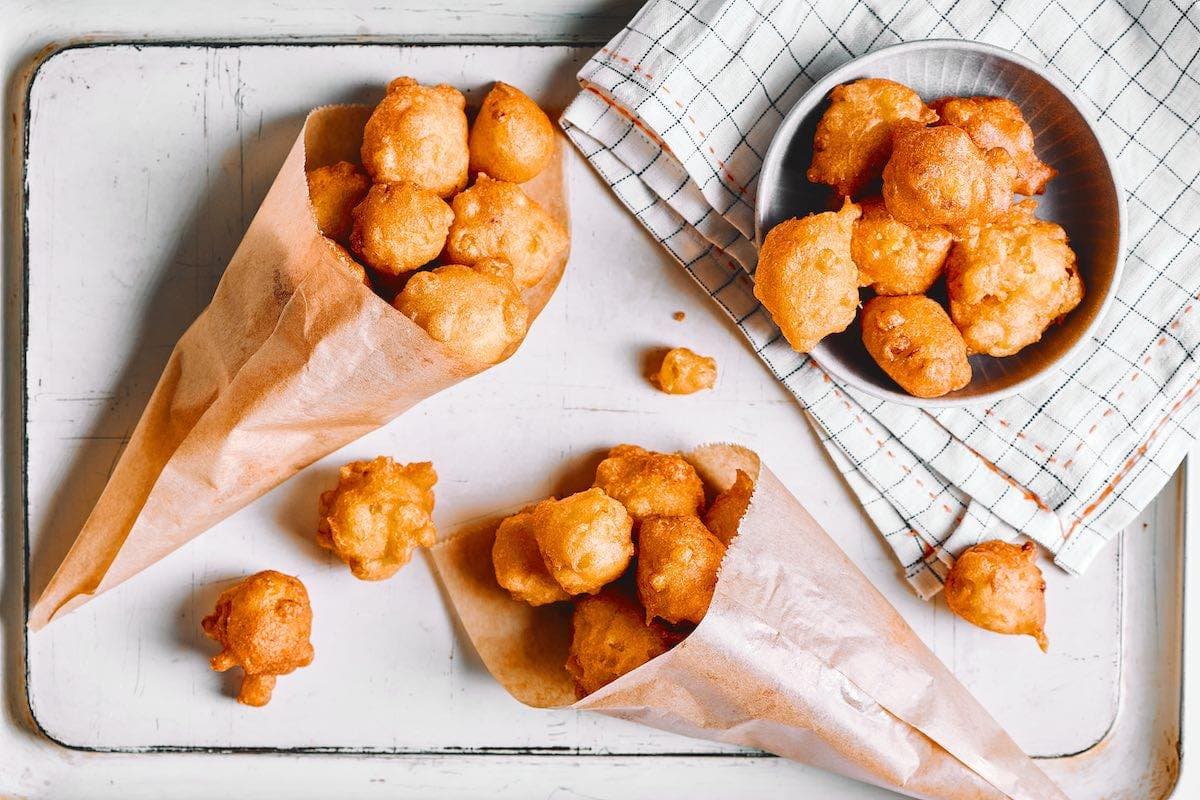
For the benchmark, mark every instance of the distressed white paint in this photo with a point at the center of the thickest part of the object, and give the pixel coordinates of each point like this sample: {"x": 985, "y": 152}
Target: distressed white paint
{"x": 108, "y": 298}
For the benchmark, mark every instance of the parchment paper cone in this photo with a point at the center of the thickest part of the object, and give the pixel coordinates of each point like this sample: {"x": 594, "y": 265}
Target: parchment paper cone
{"x": 798, "y": 655}
{"x": 291, "y": 360}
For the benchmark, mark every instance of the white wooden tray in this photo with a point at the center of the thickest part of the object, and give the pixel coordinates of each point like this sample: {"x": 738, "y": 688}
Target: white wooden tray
{"x": 143, "y": 166}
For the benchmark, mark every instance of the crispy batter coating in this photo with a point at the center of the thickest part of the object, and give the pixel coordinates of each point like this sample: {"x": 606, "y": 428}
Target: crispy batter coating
{"x": 399, "y": 227}
{"x": 475, "y": 311}
{"x": 586, "y": 539}
{"x": 1010, "y": 279}
{"x": 684, "y": 372}
{"x": 998, "y": 586}
{"x": 893, "y": 258}
{"x": 379, "y": 513}
{"x": 496, "y": 219}
{"x": 334, "y": 191}
{"x": 418, "y": 134}
{"x": 806, "y": 279}
{"x": 346, "y": 261}
{"x": 263, "y": 626}
{"x": 912, "y": 338}
{"x": 650, "y": 484}
{"x": 724, "y": 515}
{"x": 609, "y": 638}
{"x": 938, "y": 176}
{"x": 512, "y": 138}
{"x": 854, "y": 135}
{"x": 518, "y": 562}
{"x": 677, "y": 567}
{"x": 997, "y": 122}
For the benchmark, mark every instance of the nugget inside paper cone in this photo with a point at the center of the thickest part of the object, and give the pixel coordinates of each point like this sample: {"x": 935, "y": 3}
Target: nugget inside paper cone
{"x": 291, "y": 360}
{"x": 798, "y": 655}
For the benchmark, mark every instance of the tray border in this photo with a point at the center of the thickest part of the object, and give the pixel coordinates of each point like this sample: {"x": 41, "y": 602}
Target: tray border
{"x": 1189, "y": 712}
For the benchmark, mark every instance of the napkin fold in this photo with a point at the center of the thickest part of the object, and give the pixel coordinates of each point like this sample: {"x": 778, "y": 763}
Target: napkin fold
{"x": 676, "y": 114}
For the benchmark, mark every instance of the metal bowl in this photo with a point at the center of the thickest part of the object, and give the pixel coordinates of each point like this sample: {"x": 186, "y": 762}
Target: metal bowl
{"x": 1084, "y": 198}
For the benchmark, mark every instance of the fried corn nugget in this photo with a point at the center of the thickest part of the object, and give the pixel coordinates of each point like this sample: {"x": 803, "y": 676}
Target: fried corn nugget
{"x": 496, "y": 219}
{"x": 854, "y": 136}
{"x": 475, "y": 311}
{"x": 684, "y": 372}
{"x": 893, "y": 258}
{"x": 997, "y": 122}
{"x": 609, "y": 638}
{"x": 263, "y": 625}
{"x": 650, "y": 484}
{"x": 334, "y": 191}
{"x": 806, "y": 278}
{"x": 512, "y": 138}
{"x": 418, "y": 134}
{"x": 938, "y": 176}
{"x": 677, "y": 567}
{"x": 347, "y": 262}
{"x": 399, "y": 227}
{"x": 724, "y": 515}
{"x": 586, "y": 539}
{"x": 518, "y": 562}
{"x": 379, "y": 513}
{"x": 913, "y": 340}
{"x": 1010, "y": 279}
{"x": 998, "y": 586}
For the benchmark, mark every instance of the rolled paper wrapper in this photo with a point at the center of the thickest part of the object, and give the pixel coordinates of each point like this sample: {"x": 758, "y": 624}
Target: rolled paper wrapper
{"x": 799, "y": 655}
{"x": 292, "y": 359}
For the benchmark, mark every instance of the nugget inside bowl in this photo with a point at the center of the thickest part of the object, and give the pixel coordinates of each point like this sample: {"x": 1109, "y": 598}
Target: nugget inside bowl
{"x": 1085, "y": 199}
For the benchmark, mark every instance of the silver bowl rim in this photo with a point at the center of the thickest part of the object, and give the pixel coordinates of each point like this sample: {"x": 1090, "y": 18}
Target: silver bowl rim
{"x": 772, "y": 163}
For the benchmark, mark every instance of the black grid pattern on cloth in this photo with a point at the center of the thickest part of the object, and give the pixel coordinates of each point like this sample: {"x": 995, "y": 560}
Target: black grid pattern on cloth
{"x": 681, "y": 107}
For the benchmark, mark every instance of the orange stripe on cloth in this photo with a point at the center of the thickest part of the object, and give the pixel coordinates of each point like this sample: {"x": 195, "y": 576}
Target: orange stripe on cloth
{"x": 1130, "y": 463}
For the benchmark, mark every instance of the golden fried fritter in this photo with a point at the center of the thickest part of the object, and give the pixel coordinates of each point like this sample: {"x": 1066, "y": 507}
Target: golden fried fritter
{"x": 938, "y": 176}
{"x": 334, "y": 191}
{"x": 650, "y": 484}
{"x": 609, "y": 638}
{"x": 724, "y": 515}
{"x": 1010, "y": 279}
{"x": 854, "y": 135}
{"x": 475, "y": 311}
{"x": 399, "y": 227}
{"x": 512, "y": 139}
{"x": 912, "y": 338}
{"x": 684, "y": 372}
{"x": 518, "y": 562}
{"x": 418, "y": 134}
{"x": 496, "y": 219}
{"x": 893, "y": 258}
{"x": 677, "y": 567}
{"x": 263, "y": 625}
{"x": 806, "y": 279}
{"x": 997, "y": 122}
{"x": 379, "y": 513}
{"x": 586, "y": 539}
{"x": 998, "y": 586}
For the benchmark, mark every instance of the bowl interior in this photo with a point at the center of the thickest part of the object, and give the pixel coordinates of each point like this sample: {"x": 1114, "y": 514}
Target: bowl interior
{"x": 1083, "y": 198}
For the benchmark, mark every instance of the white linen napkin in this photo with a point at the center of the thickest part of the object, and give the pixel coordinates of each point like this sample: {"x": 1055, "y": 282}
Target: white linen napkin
{"x": 676, "y": 114}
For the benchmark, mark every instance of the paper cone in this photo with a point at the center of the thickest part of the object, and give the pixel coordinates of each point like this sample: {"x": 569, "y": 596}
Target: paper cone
{"x": 798, "y": 655}
{"x": 291, "y": 360}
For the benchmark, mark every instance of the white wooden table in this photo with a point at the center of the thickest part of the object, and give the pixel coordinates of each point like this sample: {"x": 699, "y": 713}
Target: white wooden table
{"x": 128, "y": 673}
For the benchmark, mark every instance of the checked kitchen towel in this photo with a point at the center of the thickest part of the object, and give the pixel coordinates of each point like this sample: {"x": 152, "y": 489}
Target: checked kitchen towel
{"x": 676, "y": 114}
